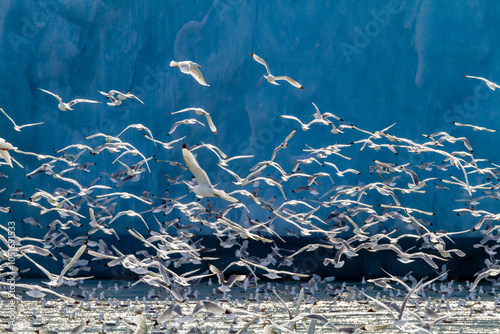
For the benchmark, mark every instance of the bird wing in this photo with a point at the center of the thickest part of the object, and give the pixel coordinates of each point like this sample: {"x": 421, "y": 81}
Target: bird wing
{"x": 93, "y": 220}
{"x": 239, "y": 179}
{"x": 142, "y": 326}
{"x": 413, "y": 175}
{"x": 329, "y": 114}
{"x": 290, "y": 80}
{"x": 31, "y": 124}
{"x": 128, "y": 127}
{"x": 261, "y": 61}
{"x": 3, "y": 111}
{"x": 213, "y": 269}
{"x": 80, "y": 328}
{"x": 110, "y": 94}
{"x": 473, "y": 77}
{"x": 138, "y": 99}
{"x": 211, "y": 124}
{"x": 294, "y": 118}
{"x": 213, "y": 307}
{"x": 75, "y": 258}
{"x": 387, "y": 128}
{"x": 172, "y": 129}
{"x": 42, "y": 268}
{"x": 32, "y": 286}
{"x": 235, "y": 278}
{"x": 290, "y": 135}
{"x": 148, "y": 131}
{"x": 222, "y": 194}
{"x": 54, "y": 95}
{"x": 239, "y": 157}
{"x": 183, "y": 110}
{"x": 317, "y": 114}
{"x": 200, "y": 175}
{"x": 474, "y": 127}
{"x": 467, "y": 144}
{"x": 490, "y": 84}
{"x": 75, "y": 101}
{"x": 196, "y": 73}
{"x": 290, "y": 316}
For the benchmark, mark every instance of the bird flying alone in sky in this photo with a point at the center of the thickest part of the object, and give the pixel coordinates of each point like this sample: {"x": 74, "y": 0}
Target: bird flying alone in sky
{"x": 67, "y": 106}
{"x": 271, "y": 78}
{"x": 191, "y": 68}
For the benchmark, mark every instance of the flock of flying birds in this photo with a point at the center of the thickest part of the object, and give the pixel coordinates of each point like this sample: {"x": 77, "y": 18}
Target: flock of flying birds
{"x": 343, "y": 218}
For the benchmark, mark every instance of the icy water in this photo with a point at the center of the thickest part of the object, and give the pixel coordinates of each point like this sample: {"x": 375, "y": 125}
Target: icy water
{"x": 341, "y": 304}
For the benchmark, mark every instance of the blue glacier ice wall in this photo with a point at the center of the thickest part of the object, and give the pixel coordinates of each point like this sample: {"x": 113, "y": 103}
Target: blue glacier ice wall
{"x": 370, "y": 62}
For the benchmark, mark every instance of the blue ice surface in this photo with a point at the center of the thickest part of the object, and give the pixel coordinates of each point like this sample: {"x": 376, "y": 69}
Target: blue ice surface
{"x": 370, "y": 62}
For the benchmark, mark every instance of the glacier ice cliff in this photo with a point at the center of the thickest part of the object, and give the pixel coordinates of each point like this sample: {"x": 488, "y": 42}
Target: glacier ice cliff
{"x": 370, "y": 62}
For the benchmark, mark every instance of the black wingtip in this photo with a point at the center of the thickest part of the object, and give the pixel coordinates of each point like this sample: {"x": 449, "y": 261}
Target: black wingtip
{"x": 184, "y": 145}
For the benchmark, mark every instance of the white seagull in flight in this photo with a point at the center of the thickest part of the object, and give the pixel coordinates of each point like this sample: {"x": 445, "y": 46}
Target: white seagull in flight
{"x": 58, "y": 280}
{"x": 67, "y": 106}
{"x": 18, "y": 127}
{"x": 204, "y": 187}
{"x": 190, "y": 67}
{"x": 474, "y": 127}
{"x": 491, "y": 85}
{"x": 200, "y": 111}
{"x": 120, "y": 96}
{"x": 188, "y": 121}
{"x": 271, "y": 78}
